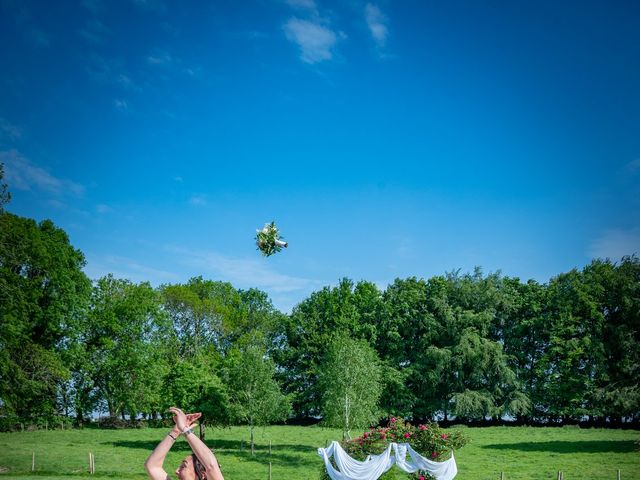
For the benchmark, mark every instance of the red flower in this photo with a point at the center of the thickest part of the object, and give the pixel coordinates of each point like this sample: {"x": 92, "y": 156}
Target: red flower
{"x": 422, "y": 428}
{"x": 444, "y": 436}
{"x": 434, "y": 455}
{"x": 407, "y": 435}
{"x": 393, "y": 419}
{"x": 421, "y": 477}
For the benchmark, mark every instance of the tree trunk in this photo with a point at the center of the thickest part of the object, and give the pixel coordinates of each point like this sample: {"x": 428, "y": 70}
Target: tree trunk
{"x": 251, "y": 430}
{"x": 79, "y": 417}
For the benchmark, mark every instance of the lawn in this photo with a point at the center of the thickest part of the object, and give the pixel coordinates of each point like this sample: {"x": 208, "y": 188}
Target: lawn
{"x": 520, "y": 452}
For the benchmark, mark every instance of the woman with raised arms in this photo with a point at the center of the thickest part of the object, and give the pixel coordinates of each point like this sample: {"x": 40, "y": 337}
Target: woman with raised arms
{"x": 200, "y": 465}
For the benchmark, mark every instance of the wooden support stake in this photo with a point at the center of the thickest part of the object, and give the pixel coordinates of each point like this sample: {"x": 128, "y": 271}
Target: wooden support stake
{"x": 22, "y": 427}
{"x": 618, "y": 474}
{"x": 33, "y": 461}
{"x": 559, "y": 476}
{"x": 89, "y": 462}
{"x": 501, "y": 475}
{"x": 269, "y": 470}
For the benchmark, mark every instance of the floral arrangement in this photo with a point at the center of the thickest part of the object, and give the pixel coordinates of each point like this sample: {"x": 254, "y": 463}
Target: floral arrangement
{"x": 429, "y": 440}
{"x": 268, "y": 239}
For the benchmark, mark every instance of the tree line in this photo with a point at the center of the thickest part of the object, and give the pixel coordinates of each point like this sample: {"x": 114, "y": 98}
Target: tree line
{"x": 466, "y": 347}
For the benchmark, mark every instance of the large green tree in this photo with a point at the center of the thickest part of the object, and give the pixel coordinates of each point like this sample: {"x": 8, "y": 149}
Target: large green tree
{"x": 194, "y": 385}
{"x": 437, "y": 334}
{"x": 521, "y": 325}
{"x": 350, "y": 384}
{"x": 616, "y": 392}
{"x": 124, "y": 346}
{"x": 211, "y": 317}
{"x": 5, "y": 195}
{"x": 43, "y": 295}
{"x": 256, "y": 398}
{"x": 575, "y": 356}
{"x": 348, "y": 308}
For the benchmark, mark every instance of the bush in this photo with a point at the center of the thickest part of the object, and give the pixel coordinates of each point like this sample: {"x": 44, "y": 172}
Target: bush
{"x": 9, "y": 423}
{"x": 117, "y": 423}
{"x": 112, "y": 423}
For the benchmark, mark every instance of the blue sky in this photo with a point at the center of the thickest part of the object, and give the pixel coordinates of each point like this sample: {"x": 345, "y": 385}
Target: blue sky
{"x": 387, "y": 139}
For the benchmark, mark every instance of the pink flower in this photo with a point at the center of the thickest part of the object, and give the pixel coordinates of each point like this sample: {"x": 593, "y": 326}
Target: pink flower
{"x": 383, "y": 435}
{"x": 444, "y": 436}
{"x": 393, "y": 419}
{"x": 434, "y": 455}
{"x": 407, "y": 435}
{"x": 366, "y": 434}
{"x": 422, "y": 428}
{"x": 421, "y": 477}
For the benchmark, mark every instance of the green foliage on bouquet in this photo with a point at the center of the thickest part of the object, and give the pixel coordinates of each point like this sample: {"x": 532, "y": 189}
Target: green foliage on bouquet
{"x": 268, "y": 239}
{"x": 429, "y": 440}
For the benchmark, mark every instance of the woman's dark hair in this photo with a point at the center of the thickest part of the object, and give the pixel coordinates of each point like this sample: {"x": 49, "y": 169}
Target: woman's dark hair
{"x": 199, "y": 468}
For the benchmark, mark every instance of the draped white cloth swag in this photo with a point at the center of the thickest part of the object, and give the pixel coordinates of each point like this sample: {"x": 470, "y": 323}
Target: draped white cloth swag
{"x": 375, "y": 465}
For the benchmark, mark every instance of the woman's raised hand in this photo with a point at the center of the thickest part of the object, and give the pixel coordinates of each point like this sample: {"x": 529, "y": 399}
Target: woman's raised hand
{"x": 182, "y": 420}
{"x": 192, "y": 417}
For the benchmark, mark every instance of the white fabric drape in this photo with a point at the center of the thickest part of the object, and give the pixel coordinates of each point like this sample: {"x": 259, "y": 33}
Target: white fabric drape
{"x": 375, "y": 465}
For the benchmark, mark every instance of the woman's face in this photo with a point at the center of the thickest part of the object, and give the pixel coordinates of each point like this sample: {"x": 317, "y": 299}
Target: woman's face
{"x": 186, "y": 470}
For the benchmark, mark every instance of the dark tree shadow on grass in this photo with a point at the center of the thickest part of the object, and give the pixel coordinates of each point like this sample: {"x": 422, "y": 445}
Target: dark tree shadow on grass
{"x": 587, "y": 446}
{"x": 216, "y": 445}
{"x": 225, "y": 448}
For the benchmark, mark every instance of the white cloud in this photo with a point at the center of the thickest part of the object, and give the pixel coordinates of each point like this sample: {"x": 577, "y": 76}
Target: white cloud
{"x": 615, "y": 244}
{"x": 94, "y": 30}
{"x": 309, "y": 4}
{"x": 126, "y": 268}
{"x": 10, "y": 131}
{"x": 404, "y": 247}
{"x": 102, "y": 208}
{"x": 198, "y": 200}
{"x": 24, "y": 175}
{"x": 377, "y": 23}
{"x": 634, "y": 165}
{"x": 158, "y": 6}
{"x": 94, "y": 6}
{"x": 304, "y": 5}
{"x": 315, "y": 41}
{"x": 160, "y": 57}
{"x": 109, "y": 71}
{"x": 37, "y": 37}
{"x": 241, "y": 272}
{"x": 120, "y": 104}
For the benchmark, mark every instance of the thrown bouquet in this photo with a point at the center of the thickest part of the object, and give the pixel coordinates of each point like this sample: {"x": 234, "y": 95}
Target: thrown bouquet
{"x": 268, "y": 240}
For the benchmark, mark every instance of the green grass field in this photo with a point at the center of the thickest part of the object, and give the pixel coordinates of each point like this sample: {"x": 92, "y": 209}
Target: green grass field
{"x": 520, "y": 452}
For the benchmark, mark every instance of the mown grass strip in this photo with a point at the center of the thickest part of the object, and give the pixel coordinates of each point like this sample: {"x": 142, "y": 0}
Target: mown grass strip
{"x": 522, "y": 453}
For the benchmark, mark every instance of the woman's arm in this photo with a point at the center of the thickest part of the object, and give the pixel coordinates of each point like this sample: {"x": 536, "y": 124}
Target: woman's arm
{"x": 154, "y": 463}
{"x": 206, "y": 456}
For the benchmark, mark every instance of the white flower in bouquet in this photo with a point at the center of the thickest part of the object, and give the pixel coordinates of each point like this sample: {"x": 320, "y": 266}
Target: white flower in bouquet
{"x": 268, "y": 240}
